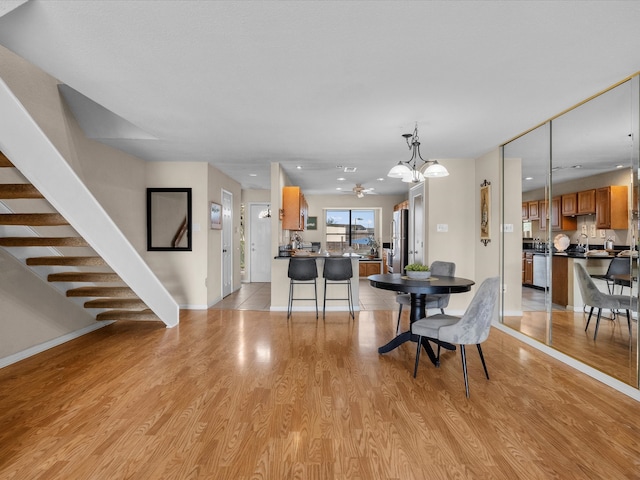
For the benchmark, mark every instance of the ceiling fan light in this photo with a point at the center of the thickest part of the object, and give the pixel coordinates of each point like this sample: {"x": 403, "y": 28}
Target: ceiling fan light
{"x": 360, "y": 194}
{"x": 399, "y": 171}
{"x": 436, "y": 170}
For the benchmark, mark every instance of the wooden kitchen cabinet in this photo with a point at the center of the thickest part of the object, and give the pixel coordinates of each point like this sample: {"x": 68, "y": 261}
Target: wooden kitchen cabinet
{"x": 534, "y": 211}
{"x": 369, "y": 268}
{"x": 294, "y": 208}
{"x": 587, "y": 202}
{"x": 558, "y": 221}
{"x": 570, "y": 204}
{"x": 612, "y": 211}
{"x": 525, "y": 210}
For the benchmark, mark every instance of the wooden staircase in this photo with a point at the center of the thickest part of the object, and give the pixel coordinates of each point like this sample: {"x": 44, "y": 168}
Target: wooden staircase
{"x": 70, "y": 263}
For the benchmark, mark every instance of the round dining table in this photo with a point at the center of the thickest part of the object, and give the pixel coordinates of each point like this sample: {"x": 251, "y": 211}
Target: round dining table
{"x": 418, "y": 290}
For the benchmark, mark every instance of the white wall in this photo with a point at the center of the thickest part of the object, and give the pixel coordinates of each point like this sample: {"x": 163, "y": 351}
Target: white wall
{"x": 452, "y": 201}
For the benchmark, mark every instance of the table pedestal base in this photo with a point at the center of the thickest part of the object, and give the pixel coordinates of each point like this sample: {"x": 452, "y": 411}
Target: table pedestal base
{"x": 409, "y": 337}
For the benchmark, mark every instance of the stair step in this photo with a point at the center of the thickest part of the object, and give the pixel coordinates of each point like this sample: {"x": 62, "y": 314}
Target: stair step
{"x": 66, "y": 261}
{"x": 19, "y": 190}
{"x": 83, "y": 277}
{"x": 130, "y": 303}
{"x": 4, "y": 161}
{"x": 127, "y": 315}
{"x": 33, "y": 219}
{"x": 101, "y": 292}
{"x": 43, "y": 242}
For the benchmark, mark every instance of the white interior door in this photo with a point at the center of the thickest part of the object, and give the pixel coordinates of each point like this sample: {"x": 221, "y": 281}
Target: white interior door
{"x": 416, "y": 224}
{"x": 227, "y": 243}
{"x": 259, "y": 243}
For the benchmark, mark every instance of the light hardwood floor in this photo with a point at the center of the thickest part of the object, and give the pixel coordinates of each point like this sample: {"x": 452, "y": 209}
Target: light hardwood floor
{"x": 245, "y": 394}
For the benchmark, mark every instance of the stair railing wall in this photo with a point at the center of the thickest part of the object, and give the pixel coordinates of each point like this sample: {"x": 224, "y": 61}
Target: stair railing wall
{"x": 31, "y": 151}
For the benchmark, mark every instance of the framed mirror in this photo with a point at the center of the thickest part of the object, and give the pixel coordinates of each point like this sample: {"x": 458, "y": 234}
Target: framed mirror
{"x": 576, "y": 179}
{"x": 169, "y": 219}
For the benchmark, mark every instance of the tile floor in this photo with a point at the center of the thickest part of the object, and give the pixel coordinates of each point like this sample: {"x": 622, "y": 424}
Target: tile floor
{"x": 257, "y": 296}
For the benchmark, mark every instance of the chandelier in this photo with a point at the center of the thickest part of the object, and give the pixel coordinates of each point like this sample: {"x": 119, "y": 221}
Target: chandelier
{"x": 410, "y": 172}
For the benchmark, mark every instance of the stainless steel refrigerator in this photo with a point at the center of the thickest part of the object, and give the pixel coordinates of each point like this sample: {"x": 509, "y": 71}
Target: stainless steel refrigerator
{"x": 399, "y": 241}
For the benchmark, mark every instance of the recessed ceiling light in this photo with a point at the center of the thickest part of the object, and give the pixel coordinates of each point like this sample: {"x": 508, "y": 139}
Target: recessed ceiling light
{"x": 341, "y": 179}
{"x": 339, "y": 166}
{"x": 299, "y": 167}
{"x": 253, "y": 174}
{"x": 349, "y": 169}
{"x": 528, "y": 178}
{"x": 577, "y": 166}
{"x": 338, "y": 188}
{"x": 380, "y": 179}
{"x": 619, "y": 166}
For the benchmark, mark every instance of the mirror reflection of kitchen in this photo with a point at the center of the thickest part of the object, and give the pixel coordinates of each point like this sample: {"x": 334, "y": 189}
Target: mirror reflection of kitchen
{"x": 579, "y": 206}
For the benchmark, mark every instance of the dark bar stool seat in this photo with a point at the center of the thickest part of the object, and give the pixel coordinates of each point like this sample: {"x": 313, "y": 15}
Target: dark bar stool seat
{"x": 302, "y": 271}
{"x": 338, "y": 271}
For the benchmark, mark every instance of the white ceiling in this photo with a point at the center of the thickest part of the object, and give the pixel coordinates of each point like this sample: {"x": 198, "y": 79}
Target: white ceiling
{"x": 320, "y": 84}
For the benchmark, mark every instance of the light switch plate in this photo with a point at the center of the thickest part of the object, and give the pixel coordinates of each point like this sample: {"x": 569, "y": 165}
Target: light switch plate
{"x": 592, "y": 230}
{"x": 603, "y": 233}
{"x": 442, "y": 227}
{"x": 584, "y": 229}
{"x": 508, "y": 228}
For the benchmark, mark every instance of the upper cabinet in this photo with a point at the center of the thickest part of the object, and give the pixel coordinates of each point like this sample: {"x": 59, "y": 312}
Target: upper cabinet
{"x": 586, "y": 202}
{"x": 295, "y": 209}
{"x": 612, "y": 207}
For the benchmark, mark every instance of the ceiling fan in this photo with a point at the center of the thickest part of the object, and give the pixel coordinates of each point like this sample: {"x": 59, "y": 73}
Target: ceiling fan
{"x": 360, "y": 191}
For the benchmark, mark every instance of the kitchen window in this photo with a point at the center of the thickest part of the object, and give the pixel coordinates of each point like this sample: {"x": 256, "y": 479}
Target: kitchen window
{"x": 353, "y": 228}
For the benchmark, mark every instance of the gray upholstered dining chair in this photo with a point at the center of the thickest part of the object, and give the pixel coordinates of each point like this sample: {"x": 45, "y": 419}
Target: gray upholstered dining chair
{"x": 441, "y": 301}
{"x": 470, "y": 329}
{"x": 594, "y": 298}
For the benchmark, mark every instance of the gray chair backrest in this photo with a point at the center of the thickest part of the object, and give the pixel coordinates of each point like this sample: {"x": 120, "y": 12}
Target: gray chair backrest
{"x": 443, "y": 269}
{"x": 591, "y": 295}
{"x": 302, "y": 269}
{"x": 337, "y": 269}
{"x": 474, "y": 326}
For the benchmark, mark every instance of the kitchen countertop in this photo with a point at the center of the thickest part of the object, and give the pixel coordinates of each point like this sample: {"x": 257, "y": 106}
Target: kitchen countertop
{"x": 315, "y": 255}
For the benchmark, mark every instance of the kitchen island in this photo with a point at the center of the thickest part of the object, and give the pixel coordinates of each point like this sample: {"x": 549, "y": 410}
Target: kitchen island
{"x": 280, "y": 288}
{"x": 565, "y": 291}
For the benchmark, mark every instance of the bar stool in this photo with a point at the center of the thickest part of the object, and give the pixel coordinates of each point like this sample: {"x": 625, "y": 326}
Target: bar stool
{"x": 338, "y": 271}
{"x": 302, "y": 271}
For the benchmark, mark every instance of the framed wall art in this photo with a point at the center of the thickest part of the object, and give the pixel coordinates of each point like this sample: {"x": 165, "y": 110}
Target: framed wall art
{"x": 215, "y": 214}
{"x": 485, "y": 212}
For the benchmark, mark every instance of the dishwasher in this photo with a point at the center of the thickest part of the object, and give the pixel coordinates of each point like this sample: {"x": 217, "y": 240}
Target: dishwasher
{"x": 540, "y": 271}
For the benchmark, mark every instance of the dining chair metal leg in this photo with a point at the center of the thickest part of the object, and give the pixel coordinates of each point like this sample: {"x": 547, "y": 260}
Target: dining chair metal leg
{"x": 588, "y": 319}
{"x": 597, "y": 323}
{"x": 464, "y": 369}
{"x": 415, "y": 369}
{"x": 484, "y": 365}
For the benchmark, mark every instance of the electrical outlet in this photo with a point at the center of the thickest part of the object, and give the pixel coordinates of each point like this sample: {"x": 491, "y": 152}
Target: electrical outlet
{"x": 603, "y": 233}
{"x": 584, "y": 228}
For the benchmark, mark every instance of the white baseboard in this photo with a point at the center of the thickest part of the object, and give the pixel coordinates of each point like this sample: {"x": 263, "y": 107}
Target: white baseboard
{"x": 29, "y": 352}
{"x": 572, "y": 362}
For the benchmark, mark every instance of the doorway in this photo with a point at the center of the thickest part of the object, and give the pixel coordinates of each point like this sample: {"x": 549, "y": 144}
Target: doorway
{"x": 259, "y": 242}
